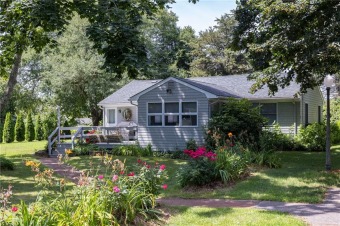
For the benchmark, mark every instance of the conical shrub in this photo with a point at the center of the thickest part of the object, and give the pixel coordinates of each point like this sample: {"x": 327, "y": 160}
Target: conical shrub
{"x": 39, "y": 133}
{"x": 19, "y": 129}
{"x": 29, "y": 128}
{"x": 8, "y": 132}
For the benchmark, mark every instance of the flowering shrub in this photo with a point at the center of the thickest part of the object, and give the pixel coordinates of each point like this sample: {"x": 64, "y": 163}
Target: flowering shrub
{"x": 200, "y": 169}
{"x": 112, "y": 198}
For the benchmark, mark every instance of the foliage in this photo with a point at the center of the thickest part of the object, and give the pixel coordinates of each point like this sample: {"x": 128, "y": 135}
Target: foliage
{"x": 268, "y": 159}
{"x": 235, "y": 116}
{"x": 313, "y": 137}
{"x": 1, "y": 131}
{"x": 8, "y": 130}
{"x": 132, "y": 150}
{"x": 29, "y": 127}
{"x": 6, "y": 164}
{"x": 271, "y": 35}
{"x": 85, "y": 149}
{"x": 38, "y": 130}
{"x": 117, "y": 197}
{"x": 49, "y": 124}
{"x": 211, "y": 51}
{"x": 231, "y": 163}
{"x": 19, "y": 129}
{"x": 200, "y": 169}
{"x": 191, "y": 144}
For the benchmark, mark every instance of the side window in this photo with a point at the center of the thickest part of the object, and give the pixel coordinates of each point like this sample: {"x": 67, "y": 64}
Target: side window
{"x": 155, "y": 117}
{"x": 268, "y": 110}
{"x": 189, "y": 114}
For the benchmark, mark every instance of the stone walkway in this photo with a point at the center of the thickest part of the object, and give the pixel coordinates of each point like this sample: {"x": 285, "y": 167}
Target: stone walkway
{"x": 324, "y": 214}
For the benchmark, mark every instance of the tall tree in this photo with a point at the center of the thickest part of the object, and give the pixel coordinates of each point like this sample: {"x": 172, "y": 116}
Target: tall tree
{"x": 298, "y": 41}
{"x": 212, "y": 54}
{"x": 74, "y": 75}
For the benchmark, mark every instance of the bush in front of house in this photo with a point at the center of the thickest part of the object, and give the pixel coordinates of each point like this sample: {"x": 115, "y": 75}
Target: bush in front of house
{"x": 29, "y": 127}
{"x": 238, "y": 117}
{"x": 6, "y": 164}
{"x": 132, "y": 150}
{"x": 19, "y": 129}
{"x": 313, "y": 136}
{"x": 119, "y": 197}
{"x": 8, "y": 130}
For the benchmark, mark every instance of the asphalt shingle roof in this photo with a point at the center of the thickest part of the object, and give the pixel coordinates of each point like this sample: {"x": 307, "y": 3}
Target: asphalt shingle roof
{"x": 221, "y": 86}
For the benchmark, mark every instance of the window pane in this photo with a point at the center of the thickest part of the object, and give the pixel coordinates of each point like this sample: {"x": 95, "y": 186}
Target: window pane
{"x": 268, "y": 108}
{"x": 111, "y": 116}
{"x": 171, "y": 120}
{"x": 189, "y": 120}
{"x": 171, "y": 108}
{"x": 155, "y": 120}
{"x": 188, "y": 107}
{"x": 155, "y": 107}
{"x": 271, "y": 118}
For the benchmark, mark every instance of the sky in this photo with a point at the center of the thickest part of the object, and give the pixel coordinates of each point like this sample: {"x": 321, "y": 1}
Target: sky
{"x": 201, "y": 15}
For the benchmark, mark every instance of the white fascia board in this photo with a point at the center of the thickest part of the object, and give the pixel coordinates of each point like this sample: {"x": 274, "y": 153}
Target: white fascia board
{"x": 117, "y": 105}
{"x": 278, "y": 99}
{"x": 207, "y": 94}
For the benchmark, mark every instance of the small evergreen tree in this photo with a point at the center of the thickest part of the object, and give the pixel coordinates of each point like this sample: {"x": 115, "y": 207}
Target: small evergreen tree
{"x": 49, "y": 124}
{"x": 8, "y": 132}
{"x": 1, "y": 128}
{"x": 19, "y": 129}
{"x": 39, "y": 134}
{"x": 29, "y": 128}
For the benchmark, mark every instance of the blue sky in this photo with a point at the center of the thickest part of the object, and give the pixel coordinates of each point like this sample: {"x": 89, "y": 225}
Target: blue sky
{"x": 202, "y": 14}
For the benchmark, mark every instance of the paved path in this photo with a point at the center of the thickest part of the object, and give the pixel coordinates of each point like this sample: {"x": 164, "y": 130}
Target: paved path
{"x": 324, "y": 214}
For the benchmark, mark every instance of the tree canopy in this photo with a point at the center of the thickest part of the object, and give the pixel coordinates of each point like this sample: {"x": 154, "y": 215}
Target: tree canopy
{"x": 287, "y": 42}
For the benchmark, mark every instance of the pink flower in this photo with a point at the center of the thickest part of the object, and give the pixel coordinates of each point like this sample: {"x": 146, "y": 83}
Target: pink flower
{"x": 148, "y": 166}
{"x": 164, "y": 186}
{"x": 14, "y": 209}
{"x": 139, "y": 161}
{"x": 162, "y": 167}
{"x": 100, "y": 177}
{"x": 116, "y": 189}
{"x": 131, "y": 174}
{"x": 121, "y": 172}
{"x": 114, "y": 178}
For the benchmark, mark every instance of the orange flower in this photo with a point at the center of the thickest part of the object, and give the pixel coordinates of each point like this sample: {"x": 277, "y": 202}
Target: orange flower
{"x": 230, "y": 134}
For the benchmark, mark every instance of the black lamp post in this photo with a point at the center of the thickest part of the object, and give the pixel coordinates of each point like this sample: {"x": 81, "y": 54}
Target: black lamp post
{"x": 328, "y": 82}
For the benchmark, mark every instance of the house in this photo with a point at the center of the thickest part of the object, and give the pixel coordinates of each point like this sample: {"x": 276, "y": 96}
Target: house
{"x": 169, "y": 112}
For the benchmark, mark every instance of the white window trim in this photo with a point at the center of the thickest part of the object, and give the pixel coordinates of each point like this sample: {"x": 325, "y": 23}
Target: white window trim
{"x": 163, "y": 114}
{"x": 107, "y": 117}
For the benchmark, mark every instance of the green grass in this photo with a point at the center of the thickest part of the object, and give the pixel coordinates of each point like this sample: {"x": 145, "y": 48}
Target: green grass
{"x": 301, "y": 179}
{"x": 21, "y": 178}
{"x": 229, "y": 216}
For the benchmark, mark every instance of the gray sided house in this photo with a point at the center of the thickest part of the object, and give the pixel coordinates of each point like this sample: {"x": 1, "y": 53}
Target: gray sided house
{"x": 169, "y": 112}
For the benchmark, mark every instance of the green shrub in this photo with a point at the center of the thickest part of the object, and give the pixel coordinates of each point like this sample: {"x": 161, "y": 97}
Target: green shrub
{"x": 132, "y": 150}
{"x": 200, "y": 169}
{"x": 85, "y": 149}
{"x": 49, "y": 125}
{"x": 236, "y": 116}
{"x": 313, "y": 137}
{"x": 39, "y": 133}
{"x": 29, "y": 127}
{"x": 1, "y": 129}
{"x": 191, "y": 144}
{"x": 19, "y": 129}
{"x": 265, "y": 158}
{"x": 6, "y": 164}
{"x": 66, "y": 124}
{"x": 231, "y": 163}
{"x": 8, "y": 130}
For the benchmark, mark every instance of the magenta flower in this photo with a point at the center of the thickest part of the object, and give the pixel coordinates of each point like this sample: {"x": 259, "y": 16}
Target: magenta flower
{"x": 100, "y": 177}
{"x": 14, "y": 209}
{"x": 114, "y": 178}
{"x": 131, "y": 174}
{"x": 162, "y": 167}
{"x": 164, "y": 186}
{"x": 116, "y": 189}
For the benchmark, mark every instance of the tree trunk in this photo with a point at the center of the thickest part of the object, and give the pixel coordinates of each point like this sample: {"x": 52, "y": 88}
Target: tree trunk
{"x": 12, "y": 81}
{"x": 96, "y": 115}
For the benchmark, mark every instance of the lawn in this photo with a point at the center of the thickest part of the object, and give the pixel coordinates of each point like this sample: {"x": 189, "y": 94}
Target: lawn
{"x": 229, "y": 216}
{"x": 301, "y": 179}
{"x": 22, "y": 178}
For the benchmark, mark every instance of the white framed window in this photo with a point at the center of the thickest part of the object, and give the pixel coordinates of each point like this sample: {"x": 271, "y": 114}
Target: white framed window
{"x": 172, "y": 114}
{"x": 111, "y": 116}
{"x": 269, "y": 110}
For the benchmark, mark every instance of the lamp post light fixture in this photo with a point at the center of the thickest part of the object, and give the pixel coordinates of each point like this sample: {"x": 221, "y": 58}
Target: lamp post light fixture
{"x": 328, "y": 82}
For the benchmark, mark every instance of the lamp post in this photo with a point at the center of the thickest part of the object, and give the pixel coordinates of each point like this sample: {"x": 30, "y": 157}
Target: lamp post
{"x": 328, "y": 82}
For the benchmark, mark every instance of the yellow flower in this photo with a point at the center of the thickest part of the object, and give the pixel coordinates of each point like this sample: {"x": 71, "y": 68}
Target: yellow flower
{"x": 68, "y": 151}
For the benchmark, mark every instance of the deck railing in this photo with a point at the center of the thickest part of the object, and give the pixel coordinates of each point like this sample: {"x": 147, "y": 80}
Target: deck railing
{"x": 98, "y": 133}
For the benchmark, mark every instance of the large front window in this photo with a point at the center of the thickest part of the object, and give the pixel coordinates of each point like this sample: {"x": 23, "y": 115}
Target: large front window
{"x": 172, "y": 114}
{"x": 269, "y": 111}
